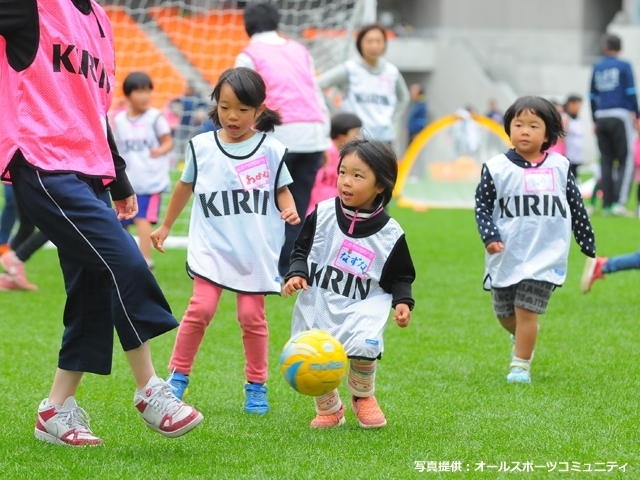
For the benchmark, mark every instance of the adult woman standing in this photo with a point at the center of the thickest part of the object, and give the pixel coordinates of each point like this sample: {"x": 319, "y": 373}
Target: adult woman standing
{"x": 372, "y": 88}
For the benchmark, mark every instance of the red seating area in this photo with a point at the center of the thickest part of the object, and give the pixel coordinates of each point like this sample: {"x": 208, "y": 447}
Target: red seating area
{"x": 210, "y": 40}
{"x": 136, "y": 52}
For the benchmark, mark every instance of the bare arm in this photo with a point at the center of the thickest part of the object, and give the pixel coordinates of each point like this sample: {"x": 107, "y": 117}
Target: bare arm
{"x": 166, "y": 144}
{"x": 179, "y": 198}
{"x": 287, "y": 206}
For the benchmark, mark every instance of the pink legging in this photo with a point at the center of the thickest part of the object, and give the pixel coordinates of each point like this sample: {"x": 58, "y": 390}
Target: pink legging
{"x": 202, "y": 308}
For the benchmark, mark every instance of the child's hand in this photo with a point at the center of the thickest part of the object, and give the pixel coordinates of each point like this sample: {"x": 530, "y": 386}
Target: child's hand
{"x": 126, "y": 208}
{"x": 293, "y": 285}
{"x": 402, "y": 315}
{"x": 155, "y": 152}
{"x": 495, "y": 247}
{"x": 159, "y": 236}
{"x": 290, "y": 216}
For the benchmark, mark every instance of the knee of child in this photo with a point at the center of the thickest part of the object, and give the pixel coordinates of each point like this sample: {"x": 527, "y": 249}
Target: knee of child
{"x": 200, "y": 310}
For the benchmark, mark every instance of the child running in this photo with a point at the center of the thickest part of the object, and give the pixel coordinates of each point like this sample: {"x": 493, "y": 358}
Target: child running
{"x": 352, "y": 263}
{"x": 143, "y": 136}
{"x": 239, "y": 181}
{"x": 527, "y": 203}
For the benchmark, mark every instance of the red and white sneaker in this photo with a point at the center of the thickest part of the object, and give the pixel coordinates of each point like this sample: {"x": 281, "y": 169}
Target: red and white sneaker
{"x": 592, "y": 272}
{"x": 368, "y": 412}
{"x": 163, "y": 412}
{"x": 7, "y": 284}
{"x": 67, "y": 425}
{"x": 15, "y": 268}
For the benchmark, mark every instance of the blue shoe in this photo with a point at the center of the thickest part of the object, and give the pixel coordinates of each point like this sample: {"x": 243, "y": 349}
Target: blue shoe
{"x": 520, "y": 372}
{"x": 178, "y": 384}
{"x": 256, "y": 398}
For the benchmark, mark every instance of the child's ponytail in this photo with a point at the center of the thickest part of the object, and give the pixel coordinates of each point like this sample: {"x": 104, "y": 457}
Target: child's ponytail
{"x": 268, "y": 120}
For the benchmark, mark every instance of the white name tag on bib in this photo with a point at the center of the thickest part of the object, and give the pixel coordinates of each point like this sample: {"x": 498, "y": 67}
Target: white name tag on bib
{"x": 253, "y": 174}
{"x": 354, "y": 259}
{"x": 538, "y": 180}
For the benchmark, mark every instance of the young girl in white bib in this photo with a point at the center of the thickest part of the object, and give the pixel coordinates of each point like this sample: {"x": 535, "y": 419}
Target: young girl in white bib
{"x": 241, "y": 201}
{"x": 352, "y": 263}
{"x": 527, "y": 205}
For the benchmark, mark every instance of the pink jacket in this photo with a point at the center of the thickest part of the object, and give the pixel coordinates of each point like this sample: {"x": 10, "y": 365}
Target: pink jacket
{"x": 286, "y": 70}
{"x": 326, "y": 184}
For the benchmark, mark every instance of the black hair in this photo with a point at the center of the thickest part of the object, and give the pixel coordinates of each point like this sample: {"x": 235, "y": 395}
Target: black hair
{"x": 136, "y": 81}
{"x": 250, "y": 89}
{"x": 380, "y": 158}
{"x": 573, "y": 98}
{"x": 366, "y": 29}
{"x": 612, "y": 43}
{"x": 543, "y": 108}
{"x": 83, "y": 5}
{"x": 261, "y": 17}
{"x": 341, "y": 123}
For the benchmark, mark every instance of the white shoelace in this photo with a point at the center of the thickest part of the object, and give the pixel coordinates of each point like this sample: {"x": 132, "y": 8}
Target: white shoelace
{"x": 163, "y": 398}
{"x": 75, "y": 418}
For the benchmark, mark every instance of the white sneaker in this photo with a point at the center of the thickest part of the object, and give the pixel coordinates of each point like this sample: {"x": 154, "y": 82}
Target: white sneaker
{"x": 163, "y": 412}
{"x": 621, "y": 211}
{"x": 591, "y": 209}
{"x": 67, "y": 425}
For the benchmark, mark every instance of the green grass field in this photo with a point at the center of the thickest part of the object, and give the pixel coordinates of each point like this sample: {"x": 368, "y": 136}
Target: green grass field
{"x": 441, "y": 382}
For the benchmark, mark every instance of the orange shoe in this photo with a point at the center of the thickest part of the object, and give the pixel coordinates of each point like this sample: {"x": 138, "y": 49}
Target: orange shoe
{"x": 11, "y": 264}
{"x": 368, "y": 412}
{"x": 7, "y": 284}
{"x": 4, "y": 248}
{"x": 328, "y": 421}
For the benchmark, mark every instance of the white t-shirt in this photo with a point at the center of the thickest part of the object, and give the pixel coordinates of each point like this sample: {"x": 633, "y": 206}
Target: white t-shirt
{"x": 240, "y": 149}
{"x": 135, "y": 137}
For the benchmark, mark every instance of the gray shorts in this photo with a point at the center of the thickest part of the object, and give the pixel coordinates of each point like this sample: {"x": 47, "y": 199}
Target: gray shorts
{"x": 532, "y": 295}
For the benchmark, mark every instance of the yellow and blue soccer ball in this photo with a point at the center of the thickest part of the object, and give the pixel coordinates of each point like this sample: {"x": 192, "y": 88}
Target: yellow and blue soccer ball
{"x": 313, "y": 362}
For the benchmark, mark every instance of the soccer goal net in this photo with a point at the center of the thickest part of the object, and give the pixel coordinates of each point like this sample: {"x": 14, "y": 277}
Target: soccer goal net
{"x": 441, "y": 167}
{"x": 184, "y": 45}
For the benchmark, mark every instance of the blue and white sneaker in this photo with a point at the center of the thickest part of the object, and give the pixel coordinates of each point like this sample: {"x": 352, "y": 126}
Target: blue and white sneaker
{"x": 178, "y": 384}
{"x": 520, "y": 372}
{"x": 256, "y": 398}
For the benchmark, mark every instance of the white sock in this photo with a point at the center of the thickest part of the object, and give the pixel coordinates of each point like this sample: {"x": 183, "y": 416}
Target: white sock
{"x": 328, "y": 403}
{"x": 362, "y": 377}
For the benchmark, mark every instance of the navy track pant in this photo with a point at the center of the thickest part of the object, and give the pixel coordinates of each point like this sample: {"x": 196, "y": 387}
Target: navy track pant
{"x": 107, "y": 280}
